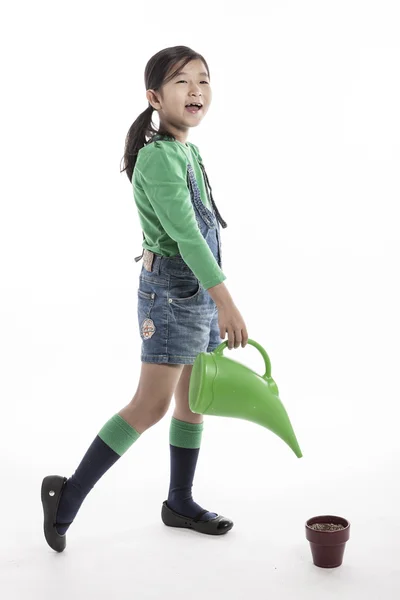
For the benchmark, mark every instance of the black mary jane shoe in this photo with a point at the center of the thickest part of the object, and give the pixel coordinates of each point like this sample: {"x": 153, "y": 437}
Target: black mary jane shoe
{"x": 52, "y": 487}
{"x": 217, "y": 526}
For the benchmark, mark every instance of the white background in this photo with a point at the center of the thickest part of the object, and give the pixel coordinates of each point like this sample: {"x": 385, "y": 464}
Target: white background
{"x": 301, "y": 144}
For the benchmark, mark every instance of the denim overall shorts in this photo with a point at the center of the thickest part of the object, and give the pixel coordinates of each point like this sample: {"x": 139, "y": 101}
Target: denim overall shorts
{"x": 177, "y": 317}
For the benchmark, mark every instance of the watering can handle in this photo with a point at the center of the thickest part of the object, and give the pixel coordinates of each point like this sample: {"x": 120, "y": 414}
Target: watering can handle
{"x": 219, "y": 350}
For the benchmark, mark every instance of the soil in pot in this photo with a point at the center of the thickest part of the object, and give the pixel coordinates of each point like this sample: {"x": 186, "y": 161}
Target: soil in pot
{"x": 326, "y": 526}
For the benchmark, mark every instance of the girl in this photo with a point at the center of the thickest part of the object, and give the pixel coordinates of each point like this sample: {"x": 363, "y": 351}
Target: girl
{"x": 183, "y": 305}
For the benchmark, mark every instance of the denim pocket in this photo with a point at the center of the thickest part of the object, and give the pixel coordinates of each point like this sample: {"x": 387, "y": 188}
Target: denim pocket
{"x": 145, "y": 295}
{"x": 183, "y": 289}
{"x": 145, "y": 301}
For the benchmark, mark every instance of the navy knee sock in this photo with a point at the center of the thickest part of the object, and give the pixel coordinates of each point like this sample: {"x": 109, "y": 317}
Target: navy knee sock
{"x": 115, "y": 437}
{"x": 185, "y": 440}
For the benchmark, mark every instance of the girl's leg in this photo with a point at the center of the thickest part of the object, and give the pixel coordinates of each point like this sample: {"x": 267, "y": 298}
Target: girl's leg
{"x": 149, "y": 404}
{"x": 185, "y": 440}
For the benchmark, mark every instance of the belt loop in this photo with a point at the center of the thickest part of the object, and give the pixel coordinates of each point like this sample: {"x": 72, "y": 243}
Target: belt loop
{"x": 156, "y": 264}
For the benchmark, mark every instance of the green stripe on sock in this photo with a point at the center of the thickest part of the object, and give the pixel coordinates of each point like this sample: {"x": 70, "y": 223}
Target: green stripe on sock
{"x": 185, "y": 435}
{"x": 118, "y": 434}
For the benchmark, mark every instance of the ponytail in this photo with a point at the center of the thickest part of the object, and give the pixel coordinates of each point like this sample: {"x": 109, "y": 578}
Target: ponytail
{"x": 136, "y": 139}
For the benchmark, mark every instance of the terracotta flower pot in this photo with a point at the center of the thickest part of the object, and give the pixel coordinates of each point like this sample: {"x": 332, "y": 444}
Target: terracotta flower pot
{"x": 327, "y": 535}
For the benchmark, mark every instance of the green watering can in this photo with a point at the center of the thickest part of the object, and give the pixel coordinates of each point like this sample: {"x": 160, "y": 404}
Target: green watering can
{"x": 224, "y": 387}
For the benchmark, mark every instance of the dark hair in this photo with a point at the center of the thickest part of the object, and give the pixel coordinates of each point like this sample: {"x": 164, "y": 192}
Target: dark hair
{"x": 155, "y": 76}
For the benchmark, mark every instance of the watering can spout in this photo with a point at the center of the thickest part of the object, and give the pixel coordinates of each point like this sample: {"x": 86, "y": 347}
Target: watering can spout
{"x": 224, "y": 387}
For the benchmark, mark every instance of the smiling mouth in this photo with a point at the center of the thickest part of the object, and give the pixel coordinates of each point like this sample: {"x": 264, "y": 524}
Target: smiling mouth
{"x": 193, "y": 109}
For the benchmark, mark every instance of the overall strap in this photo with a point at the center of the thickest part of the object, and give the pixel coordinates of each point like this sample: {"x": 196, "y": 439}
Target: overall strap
{"x": 220, "y": 219}
{"x": 141, "y": 256}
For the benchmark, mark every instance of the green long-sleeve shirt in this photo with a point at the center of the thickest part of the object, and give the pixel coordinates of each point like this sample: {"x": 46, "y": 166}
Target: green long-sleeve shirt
{"x": 165, "y": 208}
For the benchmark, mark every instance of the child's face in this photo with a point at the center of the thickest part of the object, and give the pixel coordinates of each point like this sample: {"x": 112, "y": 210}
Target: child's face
{"x": 194, "y": 86}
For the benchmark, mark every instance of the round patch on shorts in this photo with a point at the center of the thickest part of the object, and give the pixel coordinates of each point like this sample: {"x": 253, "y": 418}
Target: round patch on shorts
{"x": 148, "y": 328}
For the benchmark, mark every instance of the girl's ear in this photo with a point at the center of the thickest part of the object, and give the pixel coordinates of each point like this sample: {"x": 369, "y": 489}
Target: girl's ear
{"x": 152, "y": 98}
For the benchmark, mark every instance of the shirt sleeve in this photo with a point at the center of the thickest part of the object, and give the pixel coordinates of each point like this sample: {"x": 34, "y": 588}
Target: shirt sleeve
{"x": 162, "y": 175}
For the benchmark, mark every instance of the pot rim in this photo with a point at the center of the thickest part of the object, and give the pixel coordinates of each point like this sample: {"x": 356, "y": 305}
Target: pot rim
{"x": 327, "y": 517}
